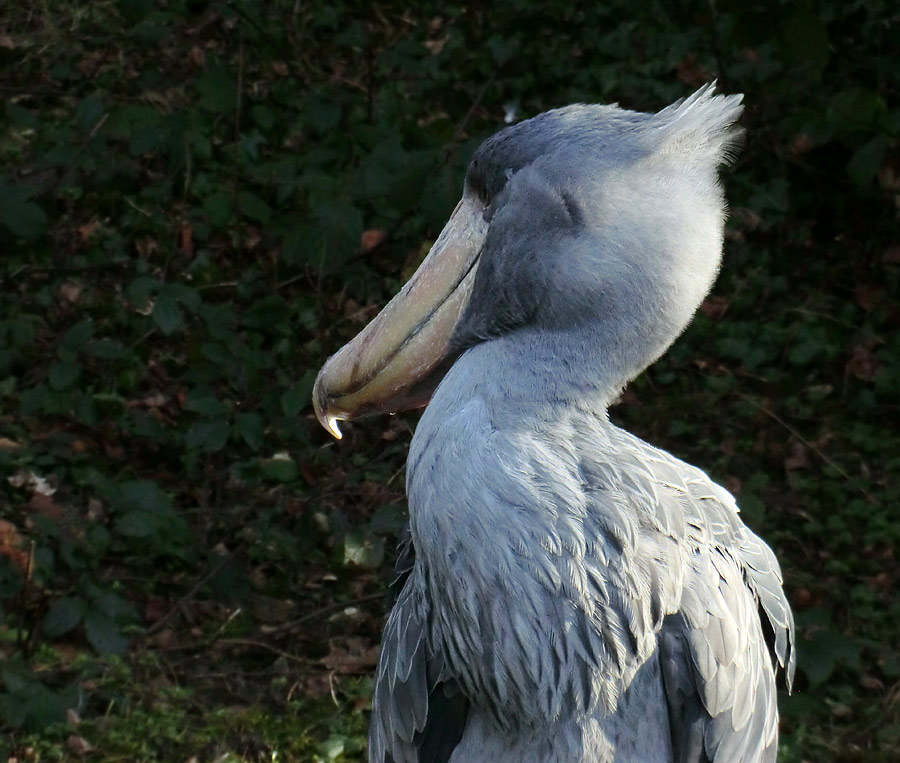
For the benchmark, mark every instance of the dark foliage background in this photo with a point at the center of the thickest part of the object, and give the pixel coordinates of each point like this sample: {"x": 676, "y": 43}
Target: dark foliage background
{"x": 199, "y": 201}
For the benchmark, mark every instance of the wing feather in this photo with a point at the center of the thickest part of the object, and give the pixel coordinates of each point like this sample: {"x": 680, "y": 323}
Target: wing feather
{"x": 418, "y": 711}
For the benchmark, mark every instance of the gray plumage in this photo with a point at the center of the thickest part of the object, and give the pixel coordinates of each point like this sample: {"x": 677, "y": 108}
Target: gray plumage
{"x": 577, "y": 594}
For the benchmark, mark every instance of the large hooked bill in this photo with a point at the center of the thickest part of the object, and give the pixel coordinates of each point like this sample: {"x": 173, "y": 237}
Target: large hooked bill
{"x": 395, "y": 363}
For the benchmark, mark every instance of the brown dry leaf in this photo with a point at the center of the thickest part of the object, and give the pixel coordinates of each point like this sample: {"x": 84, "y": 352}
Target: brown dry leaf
{"x": 78, "y": 745}
{"x": 692, "y": 72}
{"x": 801, "y": 598}
{"x": 372, "y": 238}
{"x": 357, "y": 656}
{"x": 70, "y": 291}
{"x": 252, "y": 238}
{"x": 186, "y": 239}
{"x": 146, "y": 246}
{"x": 197, "y": 57}
{"x": 883, "y": 581}
{"x": 798, "y": 458}
{"x": 86, "y": 231}
{"x": 80, "y": 446}
{"x": 13, "y": 545}
{"x": 714, "y": 307}
{"x": 95, "y": 512}
{"x": 7, "y": 42}
{"x": 868, "y": 297}
{"x": 165, "y": 639}
{"x": 157, "y": 400}
{"x": 308, "y": 472}
{"x": 280, "y": 68}
{"x": 436, "y": 46}
{"x": 871, "y": 683}
{"x": 800, "y": 144}
{"x": 862, "y": 364}
{"x": 156, "y": 608}
{"x": 748, "y": 218}
{"x": 8, "y": 445}
{"x": 89, "y": 65}
{"x": 46, "y": 507}
{"x": 349, "y": 308}
{"x": 357, "y": 314}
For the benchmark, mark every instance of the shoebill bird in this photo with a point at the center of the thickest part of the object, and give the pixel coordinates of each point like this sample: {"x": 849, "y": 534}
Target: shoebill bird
{"x": 571, "y": 593}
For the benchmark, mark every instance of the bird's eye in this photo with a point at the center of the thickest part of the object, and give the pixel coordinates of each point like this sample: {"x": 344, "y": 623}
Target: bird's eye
{"x": 478, "y": 185}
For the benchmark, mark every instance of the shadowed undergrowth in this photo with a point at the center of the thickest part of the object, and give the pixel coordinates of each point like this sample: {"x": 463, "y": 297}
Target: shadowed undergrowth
{"x": 199, "y": 201}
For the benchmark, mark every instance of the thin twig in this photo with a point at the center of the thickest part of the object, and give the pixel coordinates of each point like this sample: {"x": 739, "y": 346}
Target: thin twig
{"x": 65, "y": 269}
{"x": 191, "y": 593}
{"x": 206, "y": 644}
{"x": 324, "y": 611}
{"x": 812, "y": 446}
{"x": 70, "y": 165}
{"x": 239, "y": 95}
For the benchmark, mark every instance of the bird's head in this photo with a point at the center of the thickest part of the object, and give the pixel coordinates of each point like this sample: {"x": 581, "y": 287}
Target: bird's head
{"x": 591, "y": 230}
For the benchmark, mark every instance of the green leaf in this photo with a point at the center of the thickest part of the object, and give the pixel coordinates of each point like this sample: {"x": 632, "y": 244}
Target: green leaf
{"x": 321, "y": 113}
{"x": 254, "y": 207}
{"x": 144, "y": 494}
{"x": 22, "y": 117}
{"x": 144, "y": 139}
{"x": 267, "y": 313}
{"x": 330, "y": 238}
{"x": 217, "y": 90}
{"x": 13, "y": 712}
{"x": 501, "y": 50}
{"x": 297, "y": 398}
{"x": 76, "y": 336}
{"x": 90, "y": 110}
{"x": 823, "y": 651}
{"x": 137, "y": 524}
{"x": 389, "y": 518}
{"x": 28, "y": 703}
{"x": 333, "y": 747}
{"x": 114, "y": 606}
{"x": 107, "y": 349}
{"x": 64, "y": 374}
{"x": 206, "y": 405}
{"x": 364, "y": 549}
{"x": 141, "y": 289}
{"x": 134, "y": 11}
{"x": 279, "y": 469}
{"x": 23, "y": 218}
{"x": 167, "y": 314}
{"x": 186, "y": 295}
{"x": 210, "y": 436}
{"x": 251, "y": 427}
{"x": 866, "y": 162}
{"x": 219, "y": 209}
{"x": 103, "y": 634}
{"x": 63, "y": 615}
{"x": 856, "y": 111}
{"x": 804, "y": 39}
